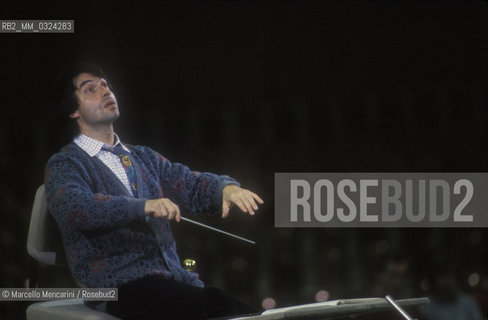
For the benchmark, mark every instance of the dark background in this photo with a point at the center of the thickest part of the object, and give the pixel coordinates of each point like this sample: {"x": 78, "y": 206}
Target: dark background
{"x": 250, "y": 88}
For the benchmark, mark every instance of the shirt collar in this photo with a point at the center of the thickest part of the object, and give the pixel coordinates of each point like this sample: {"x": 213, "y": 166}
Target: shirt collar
{"x": 93, "y": 146}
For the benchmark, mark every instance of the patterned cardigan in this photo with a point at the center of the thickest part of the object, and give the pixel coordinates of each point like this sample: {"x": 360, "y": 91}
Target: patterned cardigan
{"x": 107, "y": 237}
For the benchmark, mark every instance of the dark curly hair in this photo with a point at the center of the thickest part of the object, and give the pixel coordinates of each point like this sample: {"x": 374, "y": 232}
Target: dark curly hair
{"x": 64, "y": 93}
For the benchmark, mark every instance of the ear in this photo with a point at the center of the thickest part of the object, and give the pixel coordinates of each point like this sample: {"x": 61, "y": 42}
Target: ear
{"x": 75, "y": 115}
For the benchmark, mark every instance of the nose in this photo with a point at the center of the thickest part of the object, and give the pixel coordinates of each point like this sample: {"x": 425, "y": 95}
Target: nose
{"x": 105, "y": 91}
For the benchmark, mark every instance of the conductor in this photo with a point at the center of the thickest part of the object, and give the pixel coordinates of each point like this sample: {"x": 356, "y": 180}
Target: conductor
{"x": 113, "y": 203}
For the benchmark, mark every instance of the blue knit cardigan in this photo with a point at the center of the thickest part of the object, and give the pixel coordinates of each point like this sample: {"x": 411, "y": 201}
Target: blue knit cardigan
{"x": 107, "y": 237}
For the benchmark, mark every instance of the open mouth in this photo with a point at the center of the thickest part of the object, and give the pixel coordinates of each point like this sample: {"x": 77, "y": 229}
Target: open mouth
{"x": 109, "y": 104}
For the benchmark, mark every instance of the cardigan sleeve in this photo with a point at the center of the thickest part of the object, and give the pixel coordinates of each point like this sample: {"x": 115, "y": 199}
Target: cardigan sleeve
{"x": 75, "y": 206}
{"x": 193, "y": 191}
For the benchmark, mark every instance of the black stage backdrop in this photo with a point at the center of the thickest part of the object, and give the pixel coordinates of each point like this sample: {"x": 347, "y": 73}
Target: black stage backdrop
{"x": 250, "y": 88}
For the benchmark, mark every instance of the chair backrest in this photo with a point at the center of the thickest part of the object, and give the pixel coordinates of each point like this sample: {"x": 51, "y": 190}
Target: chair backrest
{"x": 44, "y": 242}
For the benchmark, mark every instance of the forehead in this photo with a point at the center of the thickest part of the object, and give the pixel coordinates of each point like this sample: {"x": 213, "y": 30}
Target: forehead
{"x": 84, "y": 77}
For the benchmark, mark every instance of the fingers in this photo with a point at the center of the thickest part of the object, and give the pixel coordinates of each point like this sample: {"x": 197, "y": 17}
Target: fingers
{"x": 258, "y": 198}
{"x": 244, "y": 199}
{"x": 178, "y": 214}
{"x": 225, "y": 210}
{"x": 244, "y": 205}
{"x": 172, "y": 209}
{"x": 247, "y": 201}
{"x": 162, "y": 208}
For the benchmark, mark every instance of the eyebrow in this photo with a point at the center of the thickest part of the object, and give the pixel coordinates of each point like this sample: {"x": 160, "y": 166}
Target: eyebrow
{"x": 89, "y": 80}
{"x": 85, "y": 82}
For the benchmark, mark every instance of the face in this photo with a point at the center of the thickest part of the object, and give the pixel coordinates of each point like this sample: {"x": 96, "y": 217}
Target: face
{"x": 97, "y": 104}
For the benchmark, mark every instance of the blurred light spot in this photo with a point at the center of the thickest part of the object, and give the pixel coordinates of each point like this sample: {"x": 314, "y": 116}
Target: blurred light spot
{"x": 239, "y": 264}
{"x": 473, "y": 279}
{"x": 381, "y": 246}
{"x": 268, "y": 303}
{"x": 334, "y": 254}
{"x": 425, "y": 285}
{"x": 321, "y": 296}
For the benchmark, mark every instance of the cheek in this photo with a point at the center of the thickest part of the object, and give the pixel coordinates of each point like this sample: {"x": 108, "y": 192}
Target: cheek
{"x": 87, "y": 111}
{"x": 88, "y": 105}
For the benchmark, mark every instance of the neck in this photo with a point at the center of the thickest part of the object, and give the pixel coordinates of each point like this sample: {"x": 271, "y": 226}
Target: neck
{"x": 105, "y": 135}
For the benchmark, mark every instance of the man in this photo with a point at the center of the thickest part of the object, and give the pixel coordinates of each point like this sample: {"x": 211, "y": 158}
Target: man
{"x": 113, "y": 203}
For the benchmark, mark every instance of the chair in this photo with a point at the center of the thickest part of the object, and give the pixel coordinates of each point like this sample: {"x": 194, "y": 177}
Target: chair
{"x": 44, "y": 245}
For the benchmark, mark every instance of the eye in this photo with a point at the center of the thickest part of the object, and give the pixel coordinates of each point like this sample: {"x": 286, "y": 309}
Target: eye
{"x": 90, "y": 89}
